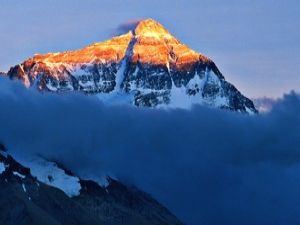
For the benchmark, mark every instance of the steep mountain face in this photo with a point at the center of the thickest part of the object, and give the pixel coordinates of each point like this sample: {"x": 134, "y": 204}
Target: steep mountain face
{"x": 146, "y": 67}
{"x": 44, "y": 193}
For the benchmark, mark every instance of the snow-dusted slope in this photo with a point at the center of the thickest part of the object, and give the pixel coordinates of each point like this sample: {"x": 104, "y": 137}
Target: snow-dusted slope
{"x": 50, "y": 174}
{"x": 145, "y": 67}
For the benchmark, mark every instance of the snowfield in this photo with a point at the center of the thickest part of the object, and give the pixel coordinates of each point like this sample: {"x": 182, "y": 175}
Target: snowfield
{"x": 50, "y": 174}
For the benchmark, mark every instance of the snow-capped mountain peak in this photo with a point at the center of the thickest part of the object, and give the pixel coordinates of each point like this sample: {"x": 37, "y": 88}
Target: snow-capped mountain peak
{"x": 151, "y": 28}
{"x": 146, "y": 67}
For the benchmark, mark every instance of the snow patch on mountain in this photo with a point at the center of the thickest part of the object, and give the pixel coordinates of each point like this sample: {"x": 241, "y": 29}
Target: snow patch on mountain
{"x": 2, "y": 167}
{"x": 179, "y": 99}
{"x": 54, "y": 174}
{"x": 50, "y": 174}
{"x": 19, "y": 175}
{"x": 24, "y": 188}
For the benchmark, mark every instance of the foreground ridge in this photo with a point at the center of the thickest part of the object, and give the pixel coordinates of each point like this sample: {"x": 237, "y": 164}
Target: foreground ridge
{"x": 146, "y": 67}
{"x": 38, "y": 191}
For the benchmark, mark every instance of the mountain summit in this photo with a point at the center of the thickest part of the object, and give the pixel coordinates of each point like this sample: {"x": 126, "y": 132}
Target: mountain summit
{"x": 146, "y": 67}
{"x": 150, "y": 26}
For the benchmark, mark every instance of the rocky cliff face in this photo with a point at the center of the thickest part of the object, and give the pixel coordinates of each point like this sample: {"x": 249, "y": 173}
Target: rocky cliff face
{"x": 43, "y": 193}
{"x": 145, "y": 67}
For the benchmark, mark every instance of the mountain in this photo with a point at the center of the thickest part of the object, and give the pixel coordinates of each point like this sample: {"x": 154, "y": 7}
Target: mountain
{"x": 42, "y": 192}
{"x": 146, "y": 67}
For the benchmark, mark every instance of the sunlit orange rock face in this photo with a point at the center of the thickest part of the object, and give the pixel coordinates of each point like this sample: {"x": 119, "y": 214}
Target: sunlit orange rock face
{"x": 153, "y": 45}
{"x": 111, "y": 50}
{"x": 157, "y": 45}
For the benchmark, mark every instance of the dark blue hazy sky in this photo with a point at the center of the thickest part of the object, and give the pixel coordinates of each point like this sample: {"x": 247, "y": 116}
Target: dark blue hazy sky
{"x": 255, "y": 43}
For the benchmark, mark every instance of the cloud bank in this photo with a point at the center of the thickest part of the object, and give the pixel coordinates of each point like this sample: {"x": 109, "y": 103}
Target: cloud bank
{"x": 208, "y": 166}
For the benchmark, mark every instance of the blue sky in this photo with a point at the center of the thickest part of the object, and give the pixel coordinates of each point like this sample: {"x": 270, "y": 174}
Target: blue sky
{"x": 254, "y": 43}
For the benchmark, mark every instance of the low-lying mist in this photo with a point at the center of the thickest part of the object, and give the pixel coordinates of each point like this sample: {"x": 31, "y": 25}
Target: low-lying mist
{"x": 207, "y": 166}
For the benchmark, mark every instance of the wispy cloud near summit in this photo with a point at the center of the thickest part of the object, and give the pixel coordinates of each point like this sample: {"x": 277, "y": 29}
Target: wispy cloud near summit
{"x": 126, "y": 26}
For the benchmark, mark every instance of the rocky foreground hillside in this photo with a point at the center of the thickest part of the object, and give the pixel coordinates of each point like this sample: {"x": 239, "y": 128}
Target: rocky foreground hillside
{"x": 47, "y": 194}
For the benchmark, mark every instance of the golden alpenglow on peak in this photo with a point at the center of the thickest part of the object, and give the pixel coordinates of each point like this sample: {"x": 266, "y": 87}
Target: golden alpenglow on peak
{"x": 150, "y": 26}
{"x": 112, "y": 50}
{"x": 154, "y": 44}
